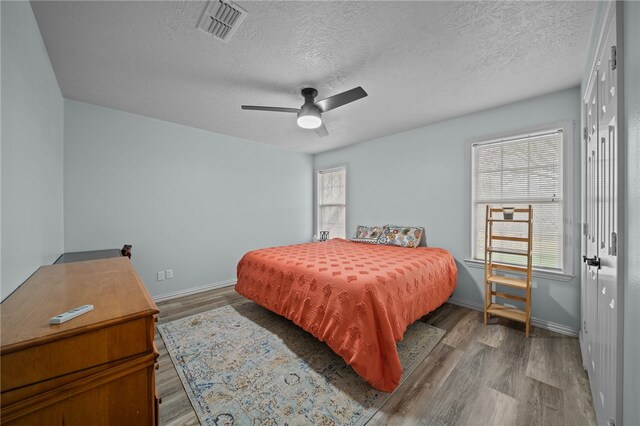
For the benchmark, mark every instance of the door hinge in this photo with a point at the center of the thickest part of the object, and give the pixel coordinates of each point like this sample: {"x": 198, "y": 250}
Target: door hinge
{"x": 585, "y": 228}
{"x": 612, "y": 59}
{"x": 611, "y": 422}
{"x": 584, "y": 326}
{"x": 584, "y": 133}
{"x": 613, "y": 244}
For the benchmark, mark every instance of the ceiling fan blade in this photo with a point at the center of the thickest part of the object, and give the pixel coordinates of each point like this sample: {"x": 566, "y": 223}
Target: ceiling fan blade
{"x": 321, "y": 131}
{"x": 340, "y": 99}
{"x": 268, "y": 108}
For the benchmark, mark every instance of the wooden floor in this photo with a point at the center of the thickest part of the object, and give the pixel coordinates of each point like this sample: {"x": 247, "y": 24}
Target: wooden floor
{"x": 476, "y": 375}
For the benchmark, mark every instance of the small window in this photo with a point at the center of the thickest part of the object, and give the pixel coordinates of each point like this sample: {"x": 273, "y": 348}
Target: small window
{"x": 519, "y": 171}
{"x": 331, "y": 200}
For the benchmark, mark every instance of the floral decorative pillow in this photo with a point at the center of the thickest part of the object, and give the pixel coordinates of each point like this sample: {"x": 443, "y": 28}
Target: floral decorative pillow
{"x": 402, "y": 236}
{"x": 367, "y": 234}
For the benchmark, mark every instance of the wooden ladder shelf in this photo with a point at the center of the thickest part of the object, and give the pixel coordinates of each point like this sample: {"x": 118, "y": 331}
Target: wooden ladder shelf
{"x": 516, "y": 246}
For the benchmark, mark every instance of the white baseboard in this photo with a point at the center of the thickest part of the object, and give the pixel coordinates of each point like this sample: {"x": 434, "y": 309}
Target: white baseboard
{"x": 536, "y": 322}
{"x": 193, "y": 290}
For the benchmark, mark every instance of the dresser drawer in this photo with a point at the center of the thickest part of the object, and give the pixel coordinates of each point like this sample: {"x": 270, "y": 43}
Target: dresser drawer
{"x": 77, "y": 353}
{"x": 122, "y": 395}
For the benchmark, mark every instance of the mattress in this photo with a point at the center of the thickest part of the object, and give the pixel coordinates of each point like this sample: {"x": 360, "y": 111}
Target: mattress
{"x": 358, "y": 298}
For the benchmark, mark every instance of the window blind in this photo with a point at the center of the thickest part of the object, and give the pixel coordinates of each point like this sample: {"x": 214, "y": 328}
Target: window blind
{"x": 518, "y": 172}
{"x": 332, "y": 202}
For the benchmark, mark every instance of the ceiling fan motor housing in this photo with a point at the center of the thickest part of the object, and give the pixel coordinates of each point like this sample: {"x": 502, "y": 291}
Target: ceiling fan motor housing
{"x": 309, "y": 95}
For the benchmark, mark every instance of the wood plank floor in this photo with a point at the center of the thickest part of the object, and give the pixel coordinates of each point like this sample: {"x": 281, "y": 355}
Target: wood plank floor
{"x": 476, "y": 375}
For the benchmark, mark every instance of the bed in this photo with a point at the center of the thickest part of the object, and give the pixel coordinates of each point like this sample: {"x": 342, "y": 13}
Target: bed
{"x": 358, "y": 298}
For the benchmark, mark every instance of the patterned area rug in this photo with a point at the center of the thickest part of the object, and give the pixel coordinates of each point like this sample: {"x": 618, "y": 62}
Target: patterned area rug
{"x": 244, "y": 365}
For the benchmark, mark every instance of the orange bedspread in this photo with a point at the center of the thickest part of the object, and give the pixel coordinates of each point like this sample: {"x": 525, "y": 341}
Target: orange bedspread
{"x": 358, "y": 298}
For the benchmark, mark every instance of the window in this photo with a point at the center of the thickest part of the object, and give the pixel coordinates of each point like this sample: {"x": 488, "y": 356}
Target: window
{"x": 332, "y": 201}
{"x": 519, "y": 171}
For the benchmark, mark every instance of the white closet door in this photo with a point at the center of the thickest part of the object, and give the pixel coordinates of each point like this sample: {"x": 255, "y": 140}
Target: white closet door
{"x": 602, "y": 326}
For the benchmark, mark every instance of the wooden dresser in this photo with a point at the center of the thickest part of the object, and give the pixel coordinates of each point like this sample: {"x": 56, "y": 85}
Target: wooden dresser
{"x": 96, "y": 369}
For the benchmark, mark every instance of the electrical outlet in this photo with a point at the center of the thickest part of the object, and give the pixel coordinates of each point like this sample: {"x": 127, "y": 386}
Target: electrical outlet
{"x": 160, "y": 275}
{"x": 169, "y": 273}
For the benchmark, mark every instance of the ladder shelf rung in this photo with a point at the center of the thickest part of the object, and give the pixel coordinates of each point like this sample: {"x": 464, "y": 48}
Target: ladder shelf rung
{"x": 502, "y": 295}
{"x": 500, "y": 210}
{"x": 510, "y": 268}
{"x": 508, "y": 250}
{"x": 507, "y": 312}
{"x": 508, "y": 238}
{"x": 509, "y": 220}
{"x": 511, "y": 282}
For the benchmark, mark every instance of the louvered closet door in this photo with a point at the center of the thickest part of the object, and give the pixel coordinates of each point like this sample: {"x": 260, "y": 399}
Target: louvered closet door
{"x": 600, "y": 211}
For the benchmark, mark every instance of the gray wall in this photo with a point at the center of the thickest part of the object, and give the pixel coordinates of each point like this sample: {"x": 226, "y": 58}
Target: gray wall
{"x": 418, "y": 178}
{"x": 187, "y": 199}
{"x": 631, "y": 60}
{"x": 31, "y": 150}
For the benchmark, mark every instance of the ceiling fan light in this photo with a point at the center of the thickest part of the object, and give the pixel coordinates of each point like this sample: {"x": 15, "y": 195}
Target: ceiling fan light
{"x": 309, "y": 117}
{"x": 309, "y": 121}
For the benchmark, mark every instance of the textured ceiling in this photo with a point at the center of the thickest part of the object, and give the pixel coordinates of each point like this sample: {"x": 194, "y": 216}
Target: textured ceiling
{"x": 420, "y": 62}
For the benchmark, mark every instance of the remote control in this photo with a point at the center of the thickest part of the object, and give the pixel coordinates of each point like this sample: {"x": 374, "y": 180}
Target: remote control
{"x": 70, "y": 314}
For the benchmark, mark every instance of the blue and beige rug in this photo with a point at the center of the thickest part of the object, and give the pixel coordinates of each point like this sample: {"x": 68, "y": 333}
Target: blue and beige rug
{"x": 244, "y": 365}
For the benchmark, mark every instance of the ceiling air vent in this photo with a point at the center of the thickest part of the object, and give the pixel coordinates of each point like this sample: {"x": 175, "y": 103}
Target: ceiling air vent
{"x": 221, "y": 19}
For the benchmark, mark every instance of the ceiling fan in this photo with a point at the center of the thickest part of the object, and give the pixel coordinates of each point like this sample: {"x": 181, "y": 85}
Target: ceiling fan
{"x": 310, "y": 113}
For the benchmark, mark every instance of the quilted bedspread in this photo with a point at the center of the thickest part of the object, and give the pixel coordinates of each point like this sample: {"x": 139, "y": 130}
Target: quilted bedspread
{"x": 358, "y": 298}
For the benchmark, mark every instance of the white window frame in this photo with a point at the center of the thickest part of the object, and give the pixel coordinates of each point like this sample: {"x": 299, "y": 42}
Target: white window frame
{"x": 569, "y": 235}
{"x": 317, "y": 193}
